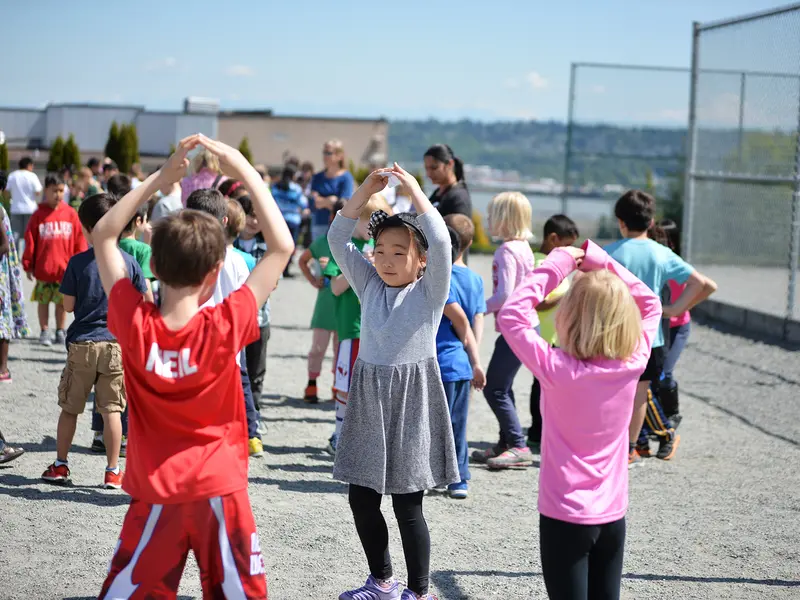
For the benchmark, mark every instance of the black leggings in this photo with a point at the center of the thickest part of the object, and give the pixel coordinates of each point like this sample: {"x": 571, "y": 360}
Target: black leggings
{"x": 371, "y": 527}
{"x": 581, "y": 562}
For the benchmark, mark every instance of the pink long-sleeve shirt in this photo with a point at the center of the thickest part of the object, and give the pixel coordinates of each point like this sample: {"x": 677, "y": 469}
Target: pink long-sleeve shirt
{"x": 513, "y": 261}
{"x": 586, "y": 404}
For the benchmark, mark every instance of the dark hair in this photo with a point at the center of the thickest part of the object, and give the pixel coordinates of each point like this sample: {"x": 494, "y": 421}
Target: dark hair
{"x": 25, "y": 162}
{"x": 141, "y": 213}
{"x": 635, "y": 209}
{"x": 287, "y": 177}
{"x": 110, "y": 166}
{"x": 444, "y": 153}
{"x": 209, "y": 201}
{"x": 92, "y": 162}
{"x": 53, "y": 179}
{"x": 463, "y": 226}
{"x": 93, "y": 208}
{"x": 672, "y": 234}
{"x": 274, "y": 173}
{"x": 119, "y": 185}
{"x": 307, "y": 166}
{"x": 186, "y": 246}
{"x": 455, "y": 244}
{"x": 246, "y": 203}
{"x": 407, "y": 221}
{"x": 3, "y": 180}
{"x": 292, "y": 161}
{"x": 231, "y": 186}
{"x": 562, "y": 226}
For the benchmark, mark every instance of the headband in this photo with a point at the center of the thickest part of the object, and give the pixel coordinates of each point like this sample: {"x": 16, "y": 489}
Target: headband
{"x": 380, "y": 219}
{"x": 234, "y": 186}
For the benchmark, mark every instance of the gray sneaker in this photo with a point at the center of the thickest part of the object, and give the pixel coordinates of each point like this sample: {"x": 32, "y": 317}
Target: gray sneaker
{"x": 483, "y": 456}
{"x": 513, "y": 457}
{"x": 61, "y": 337}
{"x": 45, "y": 339}
{"x": 372, "y": 591}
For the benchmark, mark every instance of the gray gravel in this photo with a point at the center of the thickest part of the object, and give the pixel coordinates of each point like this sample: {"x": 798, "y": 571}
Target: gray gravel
{"x": 720, "y": 521}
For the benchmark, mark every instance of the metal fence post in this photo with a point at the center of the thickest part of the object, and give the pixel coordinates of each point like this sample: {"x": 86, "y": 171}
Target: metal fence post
{"x": 691, "y": 148}
{"x": 568, "y": 143}
{"x": 794, "y": 233}
{"x": 741, "y": 119}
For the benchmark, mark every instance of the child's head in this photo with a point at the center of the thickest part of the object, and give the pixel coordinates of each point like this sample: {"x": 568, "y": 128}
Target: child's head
{"x": 634, "y": 211}
{"x": 92, "y": 210}
{"x": 110, "y": 169}
{"x": 236, "y": 221}
{"x": 374, "y": 204}
{"x": 672, "y": 234}
{"x": 188, "y": 251}
{"x": 559, "y": 231}
{"x": 232, "y": 188}
{"x": 251, "y": 228}
{"x": 401, "y": 248}
{"x": 53, "y": 189}
{"x": 510, "y": 216}
{"x": 205, "y": 159}
{"x": 465, "y": 229}
{"x": 209, "y": 201}
{"x": 119, "y": 185}
{"x": 26, "y": 163}
{"x": 598, "y": 318}
{"x": 137, "y": 222}
{"x": 455, "y": 244}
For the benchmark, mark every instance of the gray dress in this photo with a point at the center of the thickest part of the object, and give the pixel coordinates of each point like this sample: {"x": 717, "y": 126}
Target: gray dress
{"x": 396, "y": 437}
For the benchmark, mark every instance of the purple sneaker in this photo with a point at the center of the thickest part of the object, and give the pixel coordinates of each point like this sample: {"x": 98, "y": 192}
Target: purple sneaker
{"x": 372, "y": 591}
{"x": 409, "y": 595}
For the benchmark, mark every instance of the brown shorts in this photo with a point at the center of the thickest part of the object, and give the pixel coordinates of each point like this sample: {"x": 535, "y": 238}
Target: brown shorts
{"x": 89, "y": 364}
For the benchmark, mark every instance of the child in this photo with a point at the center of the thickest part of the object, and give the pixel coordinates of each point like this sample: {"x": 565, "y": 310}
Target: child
{"x": 679, "y": 329}
{"x": 234, "y": 227}
{"x": 93, "y": 355}
{"x": 606, "y": 324}
{"x": 509, "y": 219}
{"x": 52, "y": 238}
{"x": 457, "y": 343}
{"x": 292, "y": 203}
{"x": 559, "y": 231}
{"x": 233, "y": 276}
{"x": 654, "y": 264}
{"x": 397, "y": 438}
{"x": 323, "y": 321}
{"x": 188, "y": 476}
{"x": 348, "y": 313}
{"x": 251, "y": 242}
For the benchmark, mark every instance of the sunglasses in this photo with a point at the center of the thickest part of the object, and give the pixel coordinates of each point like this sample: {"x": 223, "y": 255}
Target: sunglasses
{"x": 328, "y": 153}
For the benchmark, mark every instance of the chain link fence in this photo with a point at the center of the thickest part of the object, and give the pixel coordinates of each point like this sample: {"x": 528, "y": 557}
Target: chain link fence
{"x": 626, "y": 129}
{"x": 741, "y": 212}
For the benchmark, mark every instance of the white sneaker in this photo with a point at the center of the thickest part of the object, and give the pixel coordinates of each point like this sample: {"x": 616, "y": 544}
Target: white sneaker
{"x": 45, "y": 339}
{"x": 61, "y": 337}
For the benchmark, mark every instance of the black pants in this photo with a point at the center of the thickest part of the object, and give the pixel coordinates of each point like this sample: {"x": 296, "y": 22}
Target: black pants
{"x": 535, "y": 432}
{"x": 256, "y": 354}
{"x": 581, "y": 562}
{"x": 371, "y": 527}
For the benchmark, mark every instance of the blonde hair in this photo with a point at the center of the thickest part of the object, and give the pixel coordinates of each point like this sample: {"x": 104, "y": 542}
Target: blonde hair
{"x": 598, "y": 318}
{"x": 338, "y": 147}
{"x": 236, "y": 220}
{"x": 376, "y": 202}
{"x": 205, "y": 160}
{"x": 510, "y": 216}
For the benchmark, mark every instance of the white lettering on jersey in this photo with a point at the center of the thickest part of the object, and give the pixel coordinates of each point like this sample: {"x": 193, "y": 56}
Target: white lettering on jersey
{"x": 256, "y": 560}
{"x": 170, "y": 364}
{"x": 50, "y": 230}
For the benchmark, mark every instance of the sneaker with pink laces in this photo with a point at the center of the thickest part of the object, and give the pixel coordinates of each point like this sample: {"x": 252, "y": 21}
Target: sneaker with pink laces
{"x": 483, "y": 456}
{"x": 372, "y": 590}
{"x": 513, "y": 457}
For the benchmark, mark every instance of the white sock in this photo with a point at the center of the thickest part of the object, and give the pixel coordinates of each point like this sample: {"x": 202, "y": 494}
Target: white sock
{"x": 115, "y": 470}
{"x": 341, "y": 411}
{"x": 59, "y": 463}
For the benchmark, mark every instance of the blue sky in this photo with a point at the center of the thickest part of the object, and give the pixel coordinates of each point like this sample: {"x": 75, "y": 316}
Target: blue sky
{"x": 480, "y": 59}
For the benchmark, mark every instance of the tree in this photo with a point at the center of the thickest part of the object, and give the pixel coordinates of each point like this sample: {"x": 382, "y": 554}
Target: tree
{"x": 134, "y": 141}
{"x": 4, "y": 157}
{"x": 127, "y": 148}
{"x": 72, "y": 155}
{"x": 244, "y": 148}
{"x": 56, "y": 158}
{"x": 114, "y": 142}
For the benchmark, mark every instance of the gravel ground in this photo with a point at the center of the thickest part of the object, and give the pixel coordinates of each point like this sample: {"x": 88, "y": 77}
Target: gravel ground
{"x": 720, "y": 521}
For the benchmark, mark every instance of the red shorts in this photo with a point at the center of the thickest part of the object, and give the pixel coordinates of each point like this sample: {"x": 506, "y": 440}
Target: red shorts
{"x": 156, "y": 539}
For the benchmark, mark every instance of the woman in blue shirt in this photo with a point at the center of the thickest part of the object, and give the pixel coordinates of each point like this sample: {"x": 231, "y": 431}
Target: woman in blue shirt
{"x": 291, "y": 201}
{"x": 328, "y": 187}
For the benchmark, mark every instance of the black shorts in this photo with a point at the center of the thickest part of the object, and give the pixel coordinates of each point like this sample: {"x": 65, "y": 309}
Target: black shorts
{"x": 655, "y": 365}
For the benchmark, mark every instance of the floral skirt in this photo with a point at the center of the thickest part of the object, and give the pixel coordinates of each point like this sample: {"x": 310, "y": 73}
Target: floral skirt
{"x": 45, "y": 293}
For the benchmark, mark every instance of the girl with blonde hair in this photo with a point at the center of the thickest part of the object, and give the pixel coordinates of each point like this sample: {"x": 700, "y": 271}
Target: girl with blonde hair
{"x": 205, "y": 173}
{"x": 509, "y": 220}
{"x": 606, "y": 324}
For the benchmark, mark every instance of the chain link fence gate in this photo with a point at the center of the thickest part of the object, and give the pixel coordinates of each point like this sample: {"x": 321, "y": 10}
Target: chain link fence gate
{"x": 742, "y": 189}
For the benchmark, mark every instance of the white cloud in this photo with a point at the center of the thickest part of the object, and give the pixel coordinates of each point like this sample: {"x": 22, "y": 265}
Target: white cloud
{"x": 598, "y": 89}
{"x": 536, "y": 80}
{"x": 240, "y": 71}
{"x": 162, "y": 64}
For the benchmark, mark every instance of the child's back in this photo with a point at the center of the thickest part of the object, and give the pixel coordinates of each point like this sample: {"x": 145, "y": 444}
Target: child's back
{"x": 466, "y": 289}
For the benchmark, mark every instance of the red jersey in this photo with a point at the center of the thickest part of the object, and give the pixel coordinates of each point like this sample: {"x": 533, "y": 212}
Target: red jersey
{"x": 54, "y": 235}
{"x": 187, "y": 428}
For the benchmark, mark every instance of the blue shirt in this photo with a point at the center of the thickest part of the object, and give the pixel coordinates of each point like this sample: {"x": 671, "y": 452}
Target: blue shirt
{"x": 466, "y": 289}
{"x": 291, "y": 202}
{"x": 341, "y": 187}
{"x": 256, "y": 249}
{"x": 653, "y": 263}
{"x": 82, "y": 280}
{"x": 249, "y": 259}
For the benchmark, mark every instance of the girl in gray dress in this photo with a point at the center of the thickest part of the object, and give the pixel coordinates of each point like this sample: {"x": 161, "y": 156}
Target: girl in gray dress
{"x": 397, "y": 438}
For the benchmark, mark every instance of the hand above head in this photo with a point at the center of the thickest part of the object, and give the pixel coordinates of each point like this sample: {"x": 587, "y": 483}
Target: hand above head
{"x": 407, "y": 180}
{"x": 231, "y": 161}
{"x": 175, "y": 167}
{"x": 375, "y": 182}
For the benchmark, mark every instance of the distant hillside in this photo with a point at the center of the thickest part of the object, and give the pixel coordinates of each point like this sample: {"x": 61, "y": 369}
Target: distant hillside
{"x": 536, "y": 148}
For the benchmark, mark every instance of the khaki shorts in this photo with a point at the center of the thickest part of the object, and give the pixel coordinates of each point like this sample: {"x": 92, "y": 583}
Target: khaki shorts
{"x": 92, "y": 364}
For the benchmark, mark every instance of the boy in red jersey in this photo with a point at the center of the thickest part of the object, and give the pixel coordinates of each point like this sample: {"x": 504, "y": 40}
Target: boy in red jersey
{"x": 187, "y": 468}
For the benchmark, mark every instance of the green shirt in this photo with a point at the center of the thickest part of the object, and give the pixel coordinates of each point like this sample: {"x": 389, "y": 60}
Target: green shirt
{"x": 139, "y": 251}
{"x": 348, "y": 308}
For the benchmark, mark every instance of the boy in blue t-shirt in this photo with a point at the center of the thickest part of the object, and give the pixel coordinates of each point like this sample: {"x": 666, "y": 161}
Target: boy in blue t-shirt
{"x": 457, "y": 343}
{"x": 655, "y": 265}
{"x": 94, "y": 358}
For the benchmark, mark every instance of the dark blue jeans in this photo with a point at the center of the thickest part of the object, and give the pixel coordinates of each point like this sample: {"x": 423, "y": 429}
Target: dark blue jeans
{"x": 499, "y": 393}
{"x": 457, "y": 393}
{"x": 249, "y": 406}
